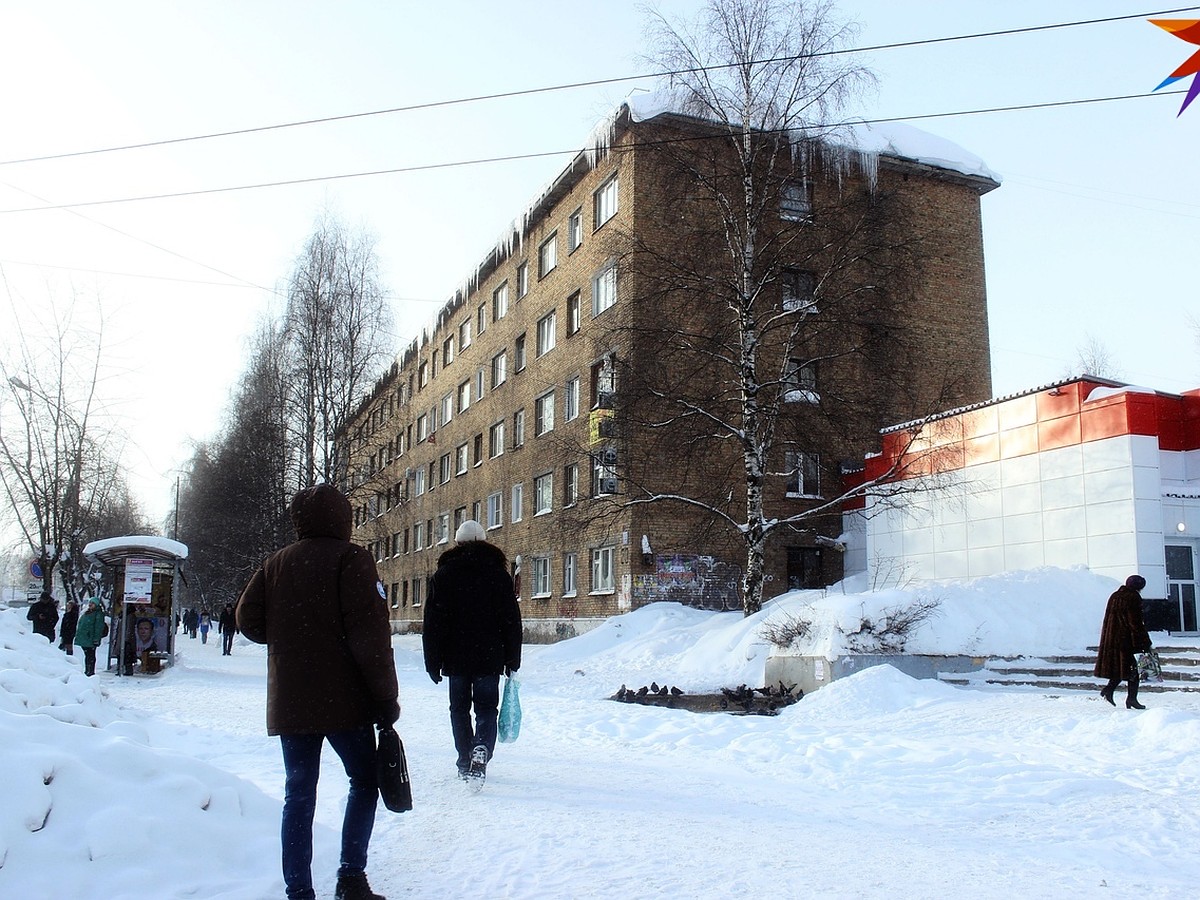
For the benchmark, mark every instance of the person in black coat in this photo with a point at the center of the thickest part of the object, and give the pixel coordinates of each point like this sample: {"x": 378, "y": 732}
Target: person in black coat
{"x": 227, "y": 626}
{"x": 44, "y": 615}
{"x": 66, "y": 629}
{"x": 1122, "y": 635}
{"x": 472, "y": 634}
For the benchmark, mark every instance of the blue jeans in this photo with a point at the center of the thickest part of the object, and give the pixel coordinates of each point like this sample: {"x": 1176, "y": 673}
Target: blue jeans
{"x": 482, "y": 692}
{"x": 302, "y": 767}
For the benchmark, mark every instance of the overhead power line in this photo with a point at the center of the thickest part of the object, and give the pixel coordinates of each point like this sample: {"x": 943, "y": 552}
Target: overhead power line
{"x": 434, "y": 104}
{"x": 400, "y": 170}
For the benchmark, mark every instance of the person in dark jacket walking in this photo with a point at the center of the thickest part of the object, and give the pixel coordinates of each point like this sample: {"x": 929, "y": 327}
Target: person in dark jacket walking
{"x": 43, "y": 613}
{"x": 66, "y": 628}
{"x": 1122, "y": 635}
{"x": 472, "y": 634}
{"x": 227, "y": 626}
{"x": 319, "y": 607}
{"x": 89, "y": 633}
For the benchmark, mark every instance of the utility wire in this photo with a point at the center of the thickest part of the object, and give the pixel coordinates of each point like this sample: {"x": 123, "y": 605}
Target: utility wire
{"x": 434, "y": 104}
{"x": 539, "y": 155}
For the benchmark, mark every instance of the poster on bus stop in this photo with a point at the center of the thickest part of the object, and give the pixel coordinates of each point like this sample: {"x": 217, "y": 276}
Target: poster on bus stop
{"x": 139, "y": 580}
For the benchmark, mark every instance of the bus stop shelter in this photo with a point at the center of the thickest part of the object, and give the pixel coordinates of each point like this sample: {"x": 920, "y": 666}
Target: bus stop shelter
{"x": 146, "y": 573}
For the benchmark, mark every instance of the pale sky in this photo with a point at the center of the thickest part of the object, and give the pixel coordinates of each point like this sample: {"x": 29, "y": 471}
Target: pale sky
{"x": 1093, "y": 234}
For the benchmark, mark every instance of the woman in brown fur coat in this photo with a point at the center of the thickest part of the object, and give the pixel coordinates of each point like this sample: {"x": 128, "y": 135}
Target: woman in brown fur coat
{"x": 1122, "y": 635}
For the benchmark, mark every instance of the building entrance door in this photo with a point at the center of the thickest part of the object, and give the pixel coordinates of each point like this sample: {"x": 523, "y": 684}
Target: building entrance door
{"x": 1181, "y": 583}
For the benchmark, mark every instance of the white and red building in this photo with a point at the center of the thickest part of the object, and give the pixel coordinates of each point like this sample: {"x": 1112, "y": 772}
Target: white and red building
{"x": 1085, "y": 472}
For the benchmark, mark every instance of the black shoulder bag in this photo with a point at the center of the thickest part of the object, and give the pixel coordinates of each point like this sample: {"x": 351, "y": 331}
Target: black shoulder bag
{"x": 392, "y": 771}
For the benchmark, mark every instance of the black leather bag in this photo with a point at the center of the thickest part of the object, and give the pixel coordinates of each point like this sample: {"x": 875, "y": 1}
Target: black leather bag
{"x": 392, "y": 770}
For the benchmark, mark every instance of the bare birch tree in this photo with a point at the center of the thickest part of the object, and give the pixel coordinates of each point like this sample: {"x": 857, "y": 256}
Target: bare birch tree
{"x": 337, "y": 324}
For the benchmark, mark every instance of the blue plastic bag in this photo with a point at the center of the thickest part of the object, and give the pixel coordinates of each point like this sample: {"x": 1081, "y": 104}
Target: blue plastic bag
{"x": 509, "y": 724}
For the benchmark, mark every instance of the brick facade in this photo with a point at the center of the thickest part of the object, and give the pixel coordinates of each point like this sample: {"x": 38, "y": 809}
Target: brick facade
{"x": 566, "y": 354}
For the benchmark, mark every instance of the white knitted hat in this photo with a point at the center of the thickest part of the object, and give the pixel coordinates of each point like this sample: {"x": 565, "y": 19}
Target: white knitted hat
{"x": 469, "y": 530}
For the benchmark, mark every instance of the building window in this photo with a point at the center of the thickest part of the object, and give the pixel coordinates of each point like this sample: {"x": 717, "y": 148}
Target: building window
{"x": 541, "y": 576}
{"x": 518, "y": 501}
{"x": 574, "y": 230}
{"x": 500, "y": 302}
{"x": 417, "y": 585}
{"x": 481, "y": 318}
{"x": 460, "y": 459}
{"x": 422, "y": 375}
{"x": 480, "y": 381}
{"x": 419, "y": 536}
{"x": 799, "y": 292}
{"x": 602, "y": 570}
{"x": 800, "y": 382}
{"x": 447, "y": 351}
{"x": 522, "y": 280}
{"x": 519, "y": 353}
{"x": 570, "y": 484}
{"x": 604, "y": 383}
{"x": 543, "y": 493}
{"x": 445, "y": 467}
{"x": 464, "y": 335}
{"x": 499, "y": 369}
{"x": 464, "y": 395}
{"x": 478, "y": 454}
{"x": 443, "y": 528}
{"x": 496, "y": 440}
{"x": 605, "y": 202}
{"x": 477, "y": 510}
{"x": 604, "y": 289}
{"x": 570, "y": 564}
{"x": 573, "y": 317}
{"x": 447, "y": 411}
{"x": 395, "y": 595}
{"x": 519, "y": 428}
{"x": 548, "y": 255}
{"x": 571, "y": 399}
{"x": 546, "y": 328}
{"x": 803, "y": 474}
{"x": 495, "y": 510}
{"x": 604, "y": 473}
{"x": 460, "y": 516}
{"x": 422, "y": 428}
{"x": 795, "y": 201}
{"x": 543, "y": 413}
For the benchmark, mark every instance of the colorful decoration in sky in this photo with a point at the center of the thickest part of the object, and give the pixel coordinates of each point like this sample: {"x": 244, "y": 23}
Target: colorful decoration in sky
{"x": 1187, "y": 30}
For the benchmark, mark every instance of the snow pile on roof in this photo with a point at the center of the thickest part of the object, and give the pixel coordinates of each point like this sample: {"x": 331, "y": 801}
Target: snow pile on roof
{"x": 135, "y": 542}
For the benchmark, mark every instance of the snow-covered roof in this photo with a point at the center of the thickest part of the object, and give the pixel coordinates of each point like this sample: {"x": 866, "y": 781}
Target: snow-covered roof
{"x": 113, "y": 550}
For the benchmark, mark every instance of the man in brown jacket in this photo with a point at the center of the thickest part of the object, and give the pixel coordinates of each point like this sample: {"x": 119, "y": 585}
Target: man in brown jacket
{"x": 1122, "y": 635}
{"x": 319, "y": 607}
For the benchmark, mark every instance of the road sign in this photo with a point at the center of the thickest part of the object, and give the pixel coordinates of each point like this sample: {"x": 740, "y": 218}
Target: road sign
{"x": 35, "y": 569}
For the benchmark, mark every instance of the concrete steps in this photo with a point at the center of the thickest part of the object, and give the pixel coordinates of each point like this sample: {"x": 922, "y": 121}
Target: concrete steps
{"x": 1180, "y": 664}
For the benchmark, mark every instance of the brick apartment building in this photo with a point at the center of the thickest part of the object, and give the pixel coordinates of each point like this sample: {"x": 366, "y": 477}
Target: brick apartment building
{"x": 539, "y": 402}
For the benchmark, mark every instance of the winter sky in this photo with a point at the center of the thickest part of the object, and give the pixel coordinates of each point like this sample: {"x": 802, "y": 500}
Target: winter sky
{"x": 1091, "y": 236}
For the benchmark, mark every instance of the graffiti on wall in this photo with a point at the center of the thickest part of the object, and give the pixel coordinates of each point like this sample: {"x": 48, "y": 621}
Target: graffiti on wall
{"x": 691, "y": 579}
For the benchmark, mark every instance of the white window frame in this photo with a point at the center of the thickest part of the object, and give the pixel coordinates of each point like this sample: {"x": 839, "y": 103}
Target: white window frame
{"x": 603, "y": 581}
{"x": 481, "y": 318}
{"x": 518, "y": 501}
{"x": 495, "y": 510}
{"x": 605, "y": 201}
{"x": 522, "y": 280}
{"x": 464, "y": 335}
{"x": 543, "y": 414}
{"x": 500, "y": 302}
{"x": 570, "y": 484}
{"x": 604, "y": 289}
{"x": 570, "y": 574}
{"x": 571, "y": 399}
{"x": 520, "y": 351}
{"x": 540, "y": 572}
{"x": 803, "y": 474}
{"x": 462, "y": 456}
{"x": 464, "y": 396}
{"x": 443, "y": 528}
{"x": 543, "y": 493}
{"x": 518, "y": 435}
{"x": 795, "y": 201}
{"x": 574, "y": 230}
{"x": 496, "y": 440}
{"x": 547, "y": 328}
{"x": 447, "y": 410}
{"x": 499, "y": 369}
{"x": 548, "y": 255}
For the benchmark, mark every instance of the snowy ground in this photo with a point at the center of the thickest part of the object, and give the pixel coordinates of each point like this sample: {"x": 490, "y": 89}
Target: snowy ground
{"x": 876, "y": 786}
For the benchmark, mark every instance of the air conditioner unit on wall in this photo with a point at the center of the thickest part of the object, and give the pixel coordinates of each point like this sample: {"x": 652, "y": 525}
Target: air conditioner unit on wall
{"x": 608, "y": 485}
{"x": 608, "y": 456}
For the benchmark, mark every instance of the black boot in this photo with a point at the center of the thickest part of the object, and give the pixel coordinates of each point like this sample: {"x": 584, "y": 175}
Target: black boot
{"x": 1131, "y": 701}
{"x": 355, "y": 887}
{"x": 1107, "y": 692}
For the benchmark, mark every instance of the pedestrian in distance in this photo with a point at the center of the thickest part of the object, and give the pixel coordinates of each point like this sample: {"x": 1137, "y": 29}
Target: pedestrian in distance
{"x": 1122, "y": 636}
{"x": 227, "y": 627}
{"x": 89, "y": 633}
{"x": 43, "y": 613}
{"x": 471, "y": 635}
{"x": 66, "y": 628}
{"x": 205, "y": 624}
{"x": 320, "y": 608}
